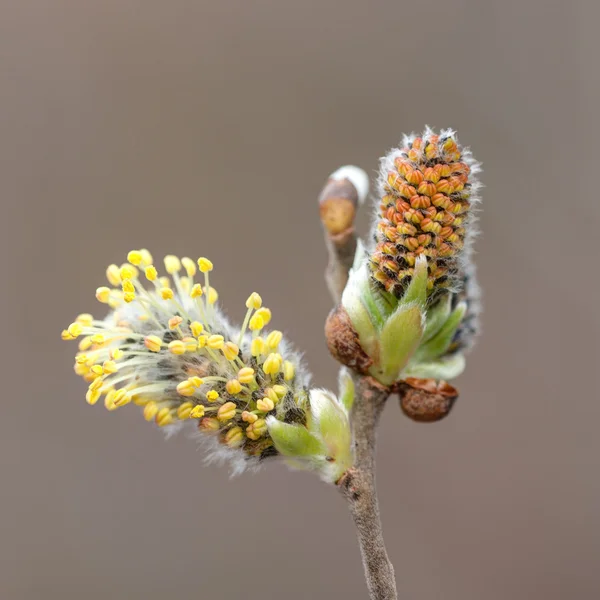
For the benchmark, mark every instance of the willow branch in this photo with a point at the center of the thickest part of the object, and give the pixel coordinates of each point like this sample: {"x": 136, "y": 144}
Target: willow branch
{"x": 359, "y": 489}
{"x": 344, "y": 191}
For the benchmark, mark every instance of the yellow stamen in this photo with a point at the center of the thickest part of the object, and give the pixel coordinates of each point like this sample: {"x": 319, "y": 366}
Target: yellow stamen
{"x": 186, "y": 388}
{"x": 189, "y": 266}
{"x": 128, "y": 272}
{"x": 226, "y": 412}
{"x": 166, "y": 293}
{"x": 146, "y": 257}
{"x": 265, "y": 405}
{"x": 216, "y": 342}
{"x": 184, "y": 411}
{"x": 198, "y": 412}
{"x": 234, "y": 438}
{"x": 249, "y": 417}
{"x": 256, "y": 322}
{"x": 163, "y": 417}
{"x": 85, "y": 319}
{"x": 103, "y": 294}
{"x": 274, "y": 339}
{"x": 196, "y": 328}
{"x": 191, "y": 344}
{"x": 230, "y": 350}
{"x": 172, "y": 264}
{"x": 288, "y": 370}
{"x": 212, "y": 396}
{"x": 135, "y": 257}
{"x": 211, "y": 294}
{"x": 257, "y": 347}
{"x": 233, "y": 387}
{"x": 210, "y": 424}
{"x": 246, "y": 375}
{"x": 254, "y": 301}
{"x": 205, "y": 265}
{"x": 177, "y": 347}
{"x": 113, "y": 275}
{"x": 150, "y": 410}
{"x": 272, "y": 364}
{"x": 151, "y": 273}
{"x": 174, "y": 322}
{"x": 153, "y": 343}
{"x": 75, "y": 329}
{"x": 92, "y": 396}
{"x": 265, "y": 313}
{"x": 109, "y": 367}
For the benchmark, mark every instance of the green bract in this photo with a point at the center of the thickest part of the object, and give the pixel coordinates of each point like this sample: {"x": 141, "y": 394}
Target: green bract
{"x": 404, "y": 337}
{"x": 325, "y": 443}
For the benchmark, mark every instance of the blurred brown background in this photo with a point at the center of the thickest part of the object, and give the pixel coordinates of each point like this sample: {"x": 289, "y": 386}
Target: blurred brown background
{"x": 199, "y": 127}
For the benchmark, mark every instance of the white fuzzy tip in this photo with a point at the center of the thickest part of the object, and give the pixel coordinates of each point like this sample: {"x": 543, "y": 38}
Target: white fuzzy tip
{"x": 357, "y": 177}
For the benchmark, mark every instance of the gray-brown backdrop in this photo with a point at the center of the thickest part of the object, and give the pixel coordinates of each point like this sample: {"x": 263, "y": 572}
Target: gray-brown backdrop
{"x": 199, "y": 127}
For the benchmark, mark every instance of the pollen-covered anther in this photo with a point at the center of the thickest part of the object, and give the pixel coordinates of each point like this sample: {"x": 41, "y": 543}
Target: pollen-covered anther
{"x": 177, "y": 347}
{"x": 249, "y": 417}
{"x": 151, "y": 273}
{"x": 245, "y": 375}
{"x": 208, "y": 423}
{"x": 186, "y": 388}
{"x": 226, "y": 411}
{"x": 153, "y": 343}
{"x": 257, "y": 429}
{"x": 172, "y": 264}
{"x": 234, "y": 438}
{"x": 189, "y": 266}
{"x": 184, "y": 411}
{"x": 166, "y": 293}
{"x": 198, "y": 412}
{"x": 265, "y": 405}
{"x": 230, "y": 350}
{"x": 254, "y": 301}
{"x": 212, "y": 396}
{"x": 272, "y": 364}
{"x": 103, "y": 294}
{"x": 256, "y": 322}
{"x": 205, "y": 265}
{"x": 274, "y": 339}
{"x": 216, "y": 342}
{"x": 163, "y": 417}
{"x": 196, "y": 291}
{"x": 257, "y": 347}
{"x": 233, "y": 387}
{"x": 175, "y": 322}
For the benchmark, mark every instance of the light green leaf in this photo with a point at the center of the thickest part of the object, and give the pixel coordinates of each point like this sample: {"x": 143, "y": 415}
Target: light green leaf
{"x": 294, "y": 440}
{"x": 330, "y": 422}
{"x": 416, "y": 292}
{"x": 437, "y": 316}
{"x": 439, "y": 344}
{"x": 445, "y": 368}
{"x": 346, "y": 385}
{"x": 399, "y": 339}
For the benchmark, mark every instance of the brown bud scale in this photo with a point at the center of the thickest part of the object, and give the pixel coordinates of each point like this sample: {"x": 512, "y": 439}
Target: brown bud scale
{"x": 343, "y": 342}
{"x": 426, "y": 400}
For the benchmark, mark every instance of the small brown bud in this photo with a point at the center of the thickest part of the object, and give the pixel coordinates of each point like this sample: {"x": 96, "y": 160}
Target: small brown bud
{"x": 426, "y": 400}
{"x": 343, "y": 342}
{"x": 338, "y": 202}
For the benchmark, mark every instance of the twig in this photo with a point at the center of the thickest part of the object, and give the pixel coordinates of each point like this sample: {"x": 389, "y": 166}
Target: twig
{"x": 339, "y": 199}
{"x": 358, "y": 487}
{"x": 345, "y": 190}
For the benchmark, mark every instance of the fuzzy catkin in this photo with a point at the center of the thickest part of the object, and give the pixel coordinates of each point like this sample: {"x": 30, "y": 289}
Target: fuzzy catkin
{"x": 427, "y": 189}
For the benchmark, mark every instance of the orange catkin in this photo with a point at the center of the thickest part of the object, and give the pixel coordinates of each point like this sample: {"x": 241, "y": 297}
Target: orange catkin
{"x": 427, "y": 188}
